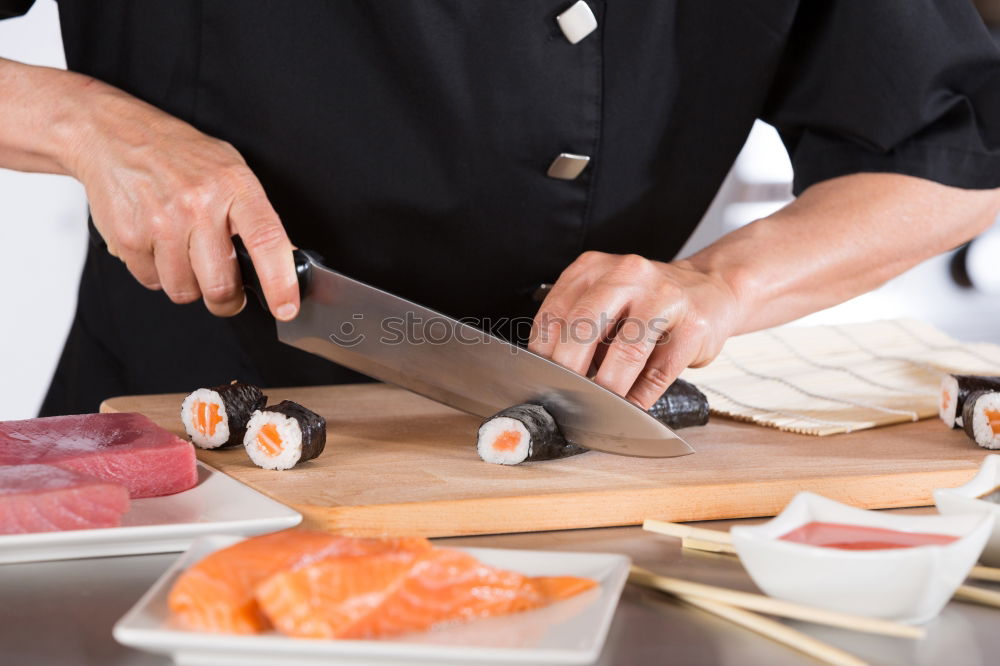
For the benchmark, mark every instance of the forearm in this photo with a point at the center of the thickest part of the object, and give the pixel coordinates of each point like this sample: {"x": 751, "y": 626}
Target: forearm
{"x": 37, "y": 105}
{"x": 841, "y": 238}
{"x": 43, "y": 116}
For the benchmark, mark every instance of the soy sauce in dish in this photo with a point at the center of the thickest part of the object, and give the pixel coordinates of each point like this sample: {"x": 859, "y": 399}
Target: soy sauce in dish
{"x": 992, "y": 496}
{"x": 857, "y": 537}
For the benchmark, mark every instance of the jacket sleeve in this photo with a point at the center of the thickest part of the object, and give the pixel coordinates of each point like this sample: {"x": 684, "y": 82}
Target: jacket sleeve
{"x": 11, "y": 8}
{"x": 901, "y": 86}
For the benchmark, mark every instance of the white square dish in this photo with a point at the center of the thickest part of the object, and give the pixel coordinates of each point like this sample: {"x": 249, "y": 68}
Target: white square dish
{"x": 568, "y": 632}
{"x": 904, "y": 584}
{"x": 218, "y": 504}
{"x": 965, "y": 499}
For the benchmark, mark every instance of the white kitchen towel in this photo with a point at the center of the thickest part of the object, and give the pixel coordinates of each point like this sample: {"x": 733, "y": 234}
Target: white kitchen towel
{"x": 824, "y": 380}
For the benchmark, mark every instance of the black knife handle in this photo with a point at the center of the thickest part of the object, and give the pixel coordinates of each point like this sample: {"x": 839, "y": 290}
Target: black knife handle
{"x": 249, "y": 274}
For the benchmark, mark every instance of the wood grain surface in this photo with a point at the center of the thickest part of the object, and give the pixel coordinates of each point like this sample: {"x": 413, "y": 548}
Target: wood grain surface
{"x": 396, "y": 463}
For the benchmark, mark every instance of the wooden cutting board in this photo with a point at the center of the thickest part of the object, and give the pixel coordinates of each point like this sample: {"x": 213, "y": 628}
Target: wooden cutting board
{"x": 396, "y": 463}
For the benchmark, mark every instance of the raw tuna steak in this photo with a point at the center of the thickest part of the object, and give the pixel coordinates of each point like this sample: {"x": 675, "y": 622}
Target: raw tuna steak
{"x": 128, "y": 449}
{"x": 43, "y": 498}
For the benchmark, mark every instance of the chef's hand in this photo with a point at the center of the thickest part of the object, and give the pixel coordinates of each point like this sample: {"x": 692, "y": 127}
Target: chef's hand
{"x": 640, "y": 322}
{"x": 167, "y": 198}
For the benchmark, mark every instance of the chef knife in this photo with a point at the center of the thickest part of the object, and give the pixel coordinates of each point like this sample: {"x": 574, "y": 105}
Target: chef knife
{"x": 397, "y": 341}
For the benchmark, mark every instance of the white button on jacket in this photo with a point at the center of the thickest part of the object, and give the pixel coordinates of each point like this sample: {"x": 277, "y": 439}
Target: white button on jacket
{"x": 577, "y": 22}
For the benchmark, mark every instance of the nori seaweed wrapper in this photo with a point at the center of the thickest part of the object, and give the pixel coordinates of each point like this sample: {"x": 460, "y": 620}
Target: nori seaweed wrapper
{"x": 968, "y": 409}
{"x": 681, "y": 406}
{"x": 968, "y": 384}
{"x": 312, "y": 425}
{"x": 547, "y": 441}
{"x": 240, "y": 402}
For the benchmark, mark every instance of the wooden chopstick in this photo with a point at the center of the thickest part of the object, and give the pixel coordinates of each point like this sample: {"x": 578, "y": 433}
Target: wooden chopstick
{"x": 691, "y": 543}
{"x": 985, "y": 573}
{"x": 777, "y": 631}
{"x": 685, "y": 531}
{"x": 977, "y": 595}
{"x": 771, "y": 606}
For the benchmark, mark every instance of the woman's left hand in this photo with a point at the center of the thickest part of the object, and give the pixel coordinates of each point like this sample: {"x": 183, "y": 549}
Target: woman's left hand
{"x": 637, "y": 322}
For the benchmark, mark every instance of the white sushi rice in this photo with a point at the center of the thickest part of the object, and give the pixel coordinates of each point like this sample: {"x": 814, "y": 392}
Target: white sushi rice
{"x": 490, "y": 431}
{"x": 949, "y": 402}
{"x": 981, "y": 427}
{"x": 221, "y": 434}
{"x": 291, "y": 440}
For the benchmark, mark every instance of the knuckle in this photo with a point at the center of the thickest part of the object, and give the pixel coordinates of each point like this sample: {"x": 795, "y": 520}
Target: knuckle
{"x": 241, "y": 176}
{"x": 161, "y": 228}
{"x": 196, "y": 198}
{"x": 222, "y": 292}
{"x": 655, "y": 381}
{"x": 130, "y": 239}
{"x": 265, "y": 235}
{"x": 632, "y": 353}
{"x": 634, "y": 263}
{"x": 183, "y": 296}
{"x": 582, "y": 314}
{"x": 697, "y": 326}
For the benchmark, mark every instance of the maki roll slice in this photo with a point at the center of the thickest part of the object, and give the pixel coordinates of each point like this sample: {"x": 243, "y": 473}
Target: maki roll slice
{"x": 681, "y": 406}
{"x": 217, "y": 417}
{"x": 954, "y": 391}
{"x": 523, "y": 433}
{"x": 282, "y": 436}
{"x": 981, "y": 418}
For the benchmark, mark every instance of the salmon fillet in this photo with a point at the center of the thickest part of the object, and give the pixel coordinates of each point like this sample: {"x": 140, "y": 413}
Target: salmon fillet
{"x": 217, "y": 594}
{"x": 393, "y": 592}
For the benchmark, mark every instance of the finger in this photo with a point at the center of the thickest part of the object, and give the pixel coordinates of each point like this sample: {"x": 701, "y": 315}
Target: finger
{"x": 665, "y": 364}
{"x": 213, "y": 260}
{"x": 142, "y": 268}
{"x": 634, "y": 342}
{"x": 590, "y": 320}
{"x": 258, "y": 225}
{"x": 549, "y": 321}
{"x": 173, "y": 265}
{"x": 548, "y": 324}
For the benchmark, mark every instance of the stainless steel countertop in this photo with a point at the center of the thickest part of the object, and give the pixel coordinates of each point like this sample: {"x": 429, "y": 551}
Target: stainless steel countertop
{"x": 61, "y": 613}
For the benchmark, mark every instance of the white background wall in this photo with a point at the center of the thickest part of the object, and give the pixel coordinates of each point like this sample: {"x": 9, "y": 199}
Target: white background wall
{"x": 43, "y": 236}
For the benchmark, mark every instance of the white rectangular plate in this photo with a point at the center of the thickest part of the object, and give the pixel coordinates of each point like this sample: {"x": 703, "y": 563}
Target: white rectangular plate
{"x": 568, "y": 632}
{"x": 218, "y": 504}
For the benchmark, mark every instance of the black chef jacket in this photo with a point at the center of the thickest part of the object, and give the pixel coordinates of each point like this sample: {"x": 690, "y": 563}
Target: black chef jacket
{"x": 407, "y": 141}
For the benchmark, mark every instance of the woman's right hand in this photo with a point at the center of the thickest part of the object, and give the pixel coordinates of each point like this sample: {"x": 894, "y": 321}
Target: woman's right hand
{"x": 167, "y": 198}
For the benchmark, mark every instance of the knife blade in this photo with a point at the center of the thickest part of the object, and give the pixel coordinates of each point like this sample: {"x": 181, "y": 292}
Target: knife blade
{"x": 400, "y": 342}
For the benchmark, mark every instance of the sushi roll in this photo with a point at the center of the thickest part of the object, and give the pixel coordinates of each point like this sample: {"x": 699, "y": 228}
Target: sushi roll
{"x": 520, "y": 434}
{"x": 282, "y": 436}
{"x": 681, "y": 406}
{"x": 981, "y": 418}
{"x": 955, "y": 389}
{"x": 217, "y": 417}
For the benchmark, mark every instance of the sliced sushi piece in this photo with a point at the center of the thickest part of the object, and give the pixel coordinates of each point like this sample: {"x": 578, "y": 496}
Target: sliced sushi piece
{"x": 217, "y": 593}
{"x": 44, "y": 498}
{"x": 681, "y": 406}
{"x": 954, "y": 391}
{"x": 981, "y": 418}
{"x": 392, "y": 592}
{"x": 523, "y": 433}
{"x": 282, "y": 436}
{"x": 217, "y": 417}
